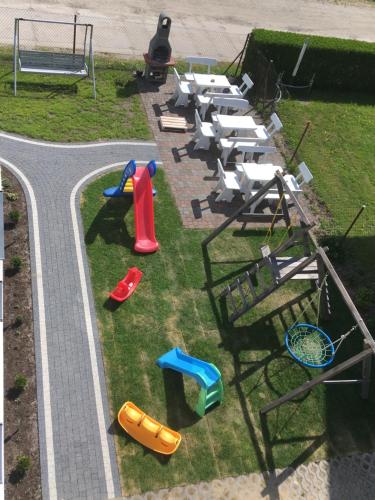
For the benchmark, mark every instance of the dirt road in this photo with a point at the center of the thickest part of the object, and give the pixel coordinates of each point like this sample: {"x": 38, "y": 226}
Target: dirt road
{"x": 213, "y": 27}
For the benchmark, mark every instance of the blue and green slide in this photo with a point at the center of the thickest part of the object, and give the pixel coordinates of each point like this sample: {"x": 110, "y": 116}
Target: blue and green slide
{"x": 206, "y": 374}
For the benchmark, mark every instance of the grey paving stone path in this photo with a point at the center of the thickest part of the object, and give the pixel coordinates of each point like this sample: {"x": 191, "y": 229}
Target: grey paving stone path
{"x": 79, "y": 461}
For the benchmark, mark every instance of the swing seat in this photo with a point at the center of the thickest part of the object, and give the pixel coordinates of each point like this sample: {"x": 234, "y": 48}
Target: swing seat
{"x": 56, "y": 63}
{"x": 309, "y": 345}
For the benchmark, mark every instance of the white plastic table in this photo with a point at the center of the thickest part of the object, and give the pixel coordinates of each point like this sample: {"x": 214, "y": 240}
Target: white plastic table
{"x": 211, "y": 81}
{"x": 249, "y": 173}
{"x": 227, "y": 123}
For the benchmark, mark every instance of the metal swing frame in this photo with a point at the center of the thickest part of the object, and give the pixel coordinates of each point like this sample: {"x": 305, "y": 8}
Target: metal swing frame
{"x": 54, "y": 63}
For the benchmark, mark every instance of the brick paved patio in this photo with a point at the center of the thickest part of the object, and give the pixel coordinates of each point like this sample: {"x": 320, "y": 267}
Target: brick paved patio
{"x": 191, "y": 174}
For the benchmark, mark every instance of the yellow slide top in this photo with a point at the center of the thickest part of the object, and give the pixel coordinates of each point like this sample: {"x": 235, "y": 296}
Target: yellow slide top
{"x": 147, "y": 430}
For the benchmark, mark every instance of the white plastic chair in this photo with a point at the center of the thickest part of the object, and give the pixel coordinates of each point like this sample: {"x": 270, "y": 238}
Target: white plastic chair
{"x": 304, "y": 175}
{"x": 228, "y": 144}
{"x": 228, "y": 183}
{"x": 244, "y": 88}
{"x": 250, "y": 149}
{"x": 204, "y": 101}
{"x": 295, "y": 183}
{"x": 204, "y": 61}
{"x": 183, "y": 90}
{"x": 265, "y": 133}
{"x": 203, "y": 134}
{"x": 223, "y": 104}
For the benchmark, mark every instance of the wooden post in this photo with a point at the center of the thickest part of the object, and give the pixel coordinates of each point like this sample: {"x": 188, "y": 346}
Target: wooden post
{"x": 366, "y": 374}
{"x": 74, "y": 33}
{"x": 352, "y": 224}
{"x": 300, "y": 141}
{"x": 348, "y": 301}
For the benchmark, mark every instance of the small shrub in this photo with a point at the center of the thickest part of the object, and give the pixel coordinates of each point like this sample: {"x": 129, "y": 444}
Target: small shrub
{"x": 14, "y": 216}
{"x": 12, "y": 196}
{"x": 16, "y": 263}
{"x": 20, "y": 382}
{"x": 6, "y": 183}
{"x": 23, "y": 465}
{"x": 18, "y": 321}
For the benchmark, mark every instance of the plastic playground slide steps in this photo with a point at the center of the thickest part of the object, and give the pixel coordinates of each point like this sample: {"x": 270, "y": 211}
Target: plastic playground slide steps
{"x": 204, "y": 373}
{"x": 148, "y": 431}
{"x": 144, "y": 212}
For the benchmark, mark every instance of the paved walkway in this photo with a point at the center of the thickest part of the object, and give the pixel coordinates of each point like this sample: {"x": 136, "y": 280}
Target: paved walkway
{"x": 216, "y": 27}
{"x": 76, "y": 449}
{"x": 192, "y": 175}
{"x": 348, "y": 478}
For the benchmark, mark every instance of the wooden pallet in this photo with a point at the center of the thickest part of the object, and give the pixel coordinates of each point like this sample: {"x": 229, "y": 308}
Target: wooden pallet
{"x": 173, "y": 122}
{"x": 287, "y": 264}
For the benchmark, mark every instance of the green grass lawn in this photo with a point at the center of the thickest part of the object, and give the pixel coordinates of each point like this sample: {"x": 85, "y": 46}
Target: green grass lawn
{"x": 174, "y": 306}
{"x": 63, "y": 109}
{"x": 340, "y": 150}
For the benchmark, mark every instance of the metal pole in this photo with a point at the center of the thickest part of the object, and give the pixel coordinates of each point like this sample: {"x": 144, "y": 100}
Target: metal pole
{"x": 300, "y": 141}
{"x": 352, "y": 224}
{"x": 15, "y": 56}
{"x": 92, "y": 63}
{"x": 266, "y": 83}
{"x": 300, "y": 57}
{"x": 74, "y": 34}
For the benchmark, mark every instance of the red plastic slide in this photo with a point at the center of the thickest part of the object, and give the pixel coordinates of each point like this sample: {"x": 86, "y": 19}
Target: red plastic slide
{"x": 145, "y": 241}
{"x": 126, "y": 286}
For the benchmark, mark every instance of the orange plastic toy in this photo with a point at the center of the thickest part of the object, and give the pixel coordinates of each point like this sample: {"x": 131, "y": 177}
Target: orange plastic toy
{"x": 126, "y": 286}
{"x": 148, "y": 431}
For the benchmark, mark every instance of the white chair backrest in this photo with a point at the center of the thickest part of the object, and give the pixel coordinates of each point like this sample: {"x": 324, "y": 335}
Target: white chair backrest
{"x": 198, "y": 121}
{"x": 246, "y": 85}
{"x": 256, "y": 149}
{"x": 275, "y": 124}
{"x": 304, "y": 176}
{"x": 206, "y": 61}
{"x": 220, "y": 169}
{"x": 230, "y": 103}
{"x": 176, "y": 75}
{"x": 236, "y": 139}
{"x": 223, "y": 95}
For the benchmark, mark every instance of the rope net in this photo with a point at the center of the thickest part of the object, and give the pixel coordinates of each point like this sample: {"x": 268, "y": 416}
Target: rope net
{"x": 309, "y": 345}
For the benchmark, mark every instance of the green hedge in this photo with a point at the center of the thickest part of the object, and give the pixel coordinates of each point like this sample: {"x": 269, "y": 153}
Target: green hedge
{"x": 338, "y": 63}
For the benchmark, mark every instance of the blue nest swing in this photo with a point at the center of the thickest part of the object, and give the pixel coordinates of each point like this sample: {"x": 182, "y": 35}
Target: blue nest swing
{"x": 309, "y": 345}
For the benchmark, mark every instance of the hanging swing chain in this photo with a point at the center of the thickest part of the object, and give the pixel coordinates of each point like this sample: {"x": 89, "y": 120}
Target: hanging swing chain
{"x": 318, "y": 293}
{"x": 343, "y": 337}
{"x": 269, "y": 232}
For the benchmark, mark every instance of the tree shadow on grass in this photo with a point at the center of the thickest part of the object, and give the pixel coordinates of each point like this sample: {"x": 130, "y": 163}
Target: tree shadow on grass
{"x": 110, "y": 225}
